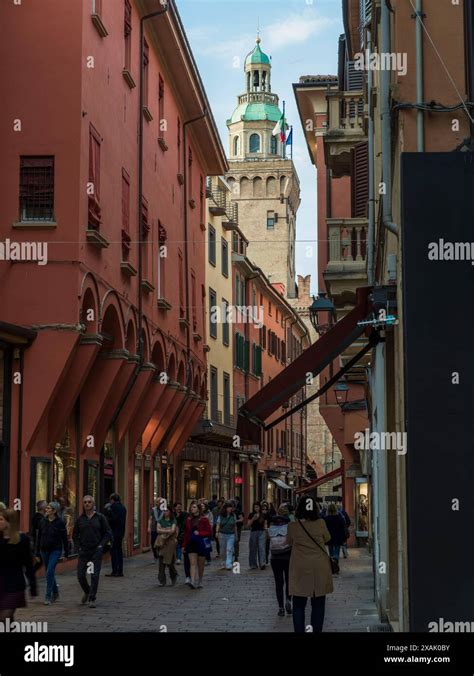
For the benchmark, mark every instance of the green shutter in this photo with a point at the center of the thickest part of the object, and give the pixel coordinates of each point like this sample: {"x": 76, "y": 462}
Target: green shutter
{"x": 246, "y": 355}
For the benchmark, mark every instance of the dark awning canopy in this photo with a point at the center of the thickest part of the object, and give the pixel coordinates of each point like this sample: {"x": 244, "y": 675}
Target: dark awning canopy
{"x": 321, "y": 480}
{"x": 314, "y": 359}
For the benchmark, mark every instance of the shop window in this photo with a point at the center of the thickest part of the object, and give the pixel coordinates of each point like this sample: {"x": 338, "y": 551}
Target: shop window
{"x": 136, "y": 505}
{"x": 91, "y": 479}
{"x": 65, "y": 477}
{"x": 40, "y": 482}
{"x": 362, "y": 508}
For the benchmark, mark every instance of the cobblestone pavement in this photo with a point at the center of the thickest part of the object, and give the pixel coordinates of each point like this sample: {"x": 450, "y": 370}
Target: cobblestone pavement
{"x": 228, "y": 602}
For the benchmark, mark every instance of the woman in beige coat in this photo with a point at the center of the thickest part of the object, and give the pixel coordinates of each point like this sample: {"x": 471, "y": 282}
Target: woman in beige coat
{"x": 310, "y": 567}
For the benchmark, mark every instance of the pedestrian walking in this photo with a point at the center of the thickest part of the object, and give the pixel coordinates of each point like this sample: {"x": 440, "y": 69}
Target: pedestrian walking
{"x": 347, "y": 522}
{"x": 226, "y": 533}
{"x": 91, "y": 534}
{"x": 52, "y": 541}
{"x": 117, "y": 517}
{"x": 258, "y": 524}
{"x": 156, "y": 513}
{"x": 213, "y": 502}
{"x": 239, "y": 515}
{"x": 180, "y": 518}
{"x": 205, "y": 511}
{"x": 165, "y": 543}
{"x": 280, "y": 558}
{"x": 215, "y": 513}
{"x": 38, "y": 517}
{"x": 16, "y": 561}
{"x": 337, "y": 530}
{"x": 310, "y": 567}
{"x": 196, "y": 541}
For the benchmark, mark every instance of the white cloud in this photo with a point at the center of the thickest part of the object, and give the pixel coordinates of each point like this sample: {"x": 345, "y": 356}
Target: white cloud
{"x": 294, "y": 29}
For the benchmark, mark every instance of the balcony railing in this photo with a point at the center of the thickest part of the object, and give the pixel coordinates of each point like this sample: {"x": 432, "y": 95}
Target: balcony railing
{"x": 347, "y": 242}
{"x": 259, "y": 97}
{"x": 346, "y": 127}
{"x": 217, "y": 205}
{"x": 232, "y": 212}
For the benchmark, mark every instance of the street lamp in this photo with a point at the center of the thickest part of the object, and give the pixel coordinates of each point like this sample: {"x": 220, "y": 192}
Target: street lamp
{"x": 321, "y": 313}
{"x": 341, "y": 390}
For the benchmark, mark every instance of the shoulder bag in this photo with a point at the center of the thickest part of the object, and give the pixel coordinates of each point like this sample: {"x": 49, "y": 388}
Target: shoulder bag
{"x": 333, "y": 561}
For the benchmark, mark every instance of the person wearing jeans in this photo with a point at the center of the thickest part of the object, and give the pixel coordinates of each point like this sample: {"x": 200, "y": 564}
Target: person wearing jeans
{"x": 310, "y": 567}
{"x": 258, "y": 524}
{"x": 226, "y": 530}
{"x": 280, "y": 558}
{"x": 52, "y": 539}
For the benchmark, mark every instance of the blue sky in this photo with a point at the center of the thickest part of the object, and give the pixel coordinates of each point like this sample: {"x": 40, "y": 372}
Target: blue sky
{"x": 301, "y": 37}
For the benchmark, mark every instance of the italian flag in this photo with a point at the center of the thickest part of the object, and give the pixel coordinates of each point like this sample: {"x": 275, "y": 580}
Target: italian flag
{"x": 280, "y": 128}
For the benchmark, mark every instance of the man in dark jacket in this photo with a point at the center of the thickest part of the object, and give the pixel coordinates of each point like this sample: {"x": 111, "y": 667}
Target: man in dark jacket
{"x": 117, "y": 516}
{"x": 90, "y": 535}
{"x": 35, "y": 524}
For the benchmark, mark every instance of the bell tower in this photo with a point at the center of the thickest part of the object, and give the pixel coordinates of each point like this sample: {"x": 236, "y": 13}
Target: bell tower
{"x": 263, "y": 181}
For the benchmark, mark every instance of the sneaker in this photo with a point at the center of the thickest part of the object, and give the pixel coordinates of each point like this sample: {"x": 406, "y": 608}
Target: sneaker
{"x": 84, "y": 599}
{"x": 161, "y": 584}
{"x": 111, "y": 575}
{"x": 188, "y": 581}
{"x": 178, "y": 562}
{"x": 262, "y": 567}
{"x": 208, "y": 563}
{"x": 199, "y": 585}
{"x": 47, "y": 602}
{"x": 55, "y": 596}
{"x": 281, "y": 612}
{"x": 92, "y": 604}
{"x": 288, "y": 607}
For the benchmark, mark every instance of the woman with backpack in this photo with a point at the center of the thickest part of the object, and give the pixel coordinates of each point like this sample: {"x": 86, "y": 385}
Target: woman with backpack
{"x": 280, "y": 561}
{"x": 310, "y": 565}
{"x": 196, "y": 543}
{"x": 226, "y": 531}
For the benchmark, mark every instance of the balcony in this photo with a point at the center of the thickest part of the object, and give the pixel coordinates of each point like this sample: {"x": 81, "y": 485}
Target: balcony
{"x": 346, "y": 268}
{"x": 346, "y": 128}
{"x": 231, "y": 218}
{"x": 217, "y": 205}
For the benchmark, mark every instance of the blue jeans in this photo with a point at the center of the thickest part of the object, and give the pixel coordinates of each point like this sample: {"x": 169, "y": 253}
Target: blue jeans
{"x": 179, "y": 552}
{"x": 334, "y": 551}
{"x": 257, "y": 547}
{"x": 227, "y": 546}
{"x": 50, "y": 560}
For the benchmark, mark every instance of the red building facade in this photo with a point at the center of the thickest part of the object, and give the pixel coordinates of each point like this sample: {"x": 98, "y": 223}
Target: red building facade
{"x": 105, "y": 391}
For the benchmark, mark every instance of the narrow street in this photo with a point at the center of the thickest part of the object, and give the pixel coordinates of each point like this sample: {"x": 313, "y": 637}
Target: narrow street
{"x": 228, "y": 602}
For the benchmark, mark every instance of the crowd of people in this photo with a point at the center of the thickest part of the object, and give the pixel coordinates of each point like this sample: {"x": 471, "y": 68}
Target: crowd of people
{"x": 301, "y": 546}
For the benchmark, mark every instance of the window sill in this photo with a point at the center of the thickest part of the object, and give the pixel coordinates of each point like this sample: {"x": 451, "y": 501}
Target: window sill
{"x": 128, "y": 269}
{"x": 99, "y": 25}
{"x": 147, "y": 114}
{"x": 35, "y": 225}
{"x": 96, "y": 239}
{"x": 147, "y": 286}
{"x": 162, "y": 144}
{"x": 163, "y": 304}
{"x": 127, "y": 76}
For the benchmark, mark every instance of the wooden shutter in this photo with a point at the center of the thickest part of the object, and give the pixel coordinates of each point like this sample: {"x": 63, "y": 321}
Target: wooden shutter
{"x": 360, "y": 180}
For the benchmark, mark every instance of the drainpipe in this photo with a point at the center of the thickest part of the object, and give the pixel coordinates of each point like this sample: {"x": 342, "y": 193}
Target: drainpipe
{"x": 140, "y": 341}
{"x": 370, "y": 234}
{"x": 186, "y": 287}
{"x": 420, "y": 122}
{"x": 386, "y": 126}
{"x": 20, "y": 424}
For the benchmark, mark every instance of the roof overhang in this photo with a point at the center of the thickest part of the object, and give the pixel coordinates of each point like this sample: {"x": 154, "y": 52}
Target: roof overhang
{"x": 311, "y": 101}
{"x": 16, "y": 335}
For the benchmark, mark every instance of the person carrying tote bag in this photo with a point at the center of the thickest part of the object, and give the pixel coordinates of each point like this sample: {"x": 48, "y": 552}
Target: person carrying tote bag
{"x": 310, "y": 568}
{"x": 197, "y": 531}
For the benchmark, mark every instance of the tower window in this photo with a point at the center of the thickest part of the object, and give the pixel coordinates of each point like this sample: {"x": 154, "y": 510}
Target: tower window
{"x": 273, "y": 145}
{"x": 255, "y": 78}
{"x": 270, "y": 220}
{"x": 254, "y": 143}
{"x": 236, "y": 145}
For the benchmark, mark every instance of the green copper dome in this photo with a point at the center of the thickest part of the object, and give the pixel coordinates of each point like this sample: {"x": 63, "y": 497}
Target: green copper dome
{"x": 250, "y": 112}
{"x": 257, "y": 56}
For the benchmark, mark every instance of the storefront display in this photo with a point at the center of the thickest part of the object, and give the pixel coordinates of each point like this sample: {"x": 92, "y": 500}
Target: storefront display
{"x": 225, "y": 471}
{"x": 65, "y": 477}
{"x": 361, "y": 507}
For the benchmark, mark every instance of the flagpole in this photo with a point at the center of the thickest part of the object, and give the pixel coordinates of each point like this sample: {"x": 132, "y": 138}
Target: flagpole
{"x": 284, "y": 132}
{"x": 291, "y": 132}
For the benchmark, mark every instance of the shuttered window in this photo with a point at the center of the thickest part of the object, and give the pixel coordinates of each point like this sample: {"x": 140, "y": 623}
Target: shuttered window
{"x": 36, "y": 188}
{"x": 360, "y": 180}
{"x": 94, "y": 216}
